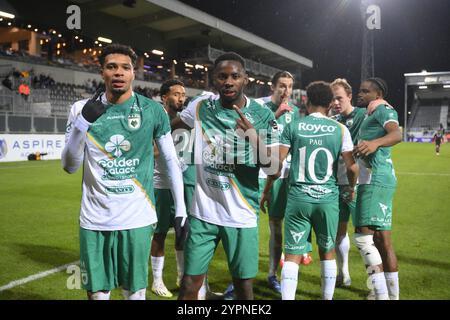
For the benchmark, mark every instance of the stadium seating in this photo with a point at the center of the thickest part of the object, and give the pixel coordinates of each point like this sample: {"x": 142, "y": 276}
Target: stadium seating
{"x": 427, "y": 116}
{"x": 48, "y": 103}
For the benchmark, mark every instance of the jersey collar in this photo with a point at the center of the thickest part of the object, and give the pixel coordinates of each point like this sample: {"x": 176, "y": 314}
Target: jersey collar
{"x": 317, "y": 115}
{"x": 106, "y": 102}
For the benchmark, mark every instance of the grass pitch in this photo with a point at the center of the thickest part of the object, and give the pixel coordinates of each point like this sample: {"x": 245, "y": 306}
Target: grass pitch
{"x": 39, "y": 231}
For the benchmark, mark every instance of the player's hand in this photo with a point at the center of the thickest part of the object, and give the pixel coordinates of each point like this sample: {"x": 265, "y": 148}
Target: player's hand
{"x": 242, "y": 123}
{"x": 365, "y": 148}
{"x": 282, "y": 109}
{"x": 375, "y": 103}
{"x": 244, "y": 128}
{"x": 94, "y": 108}
{"x": 181, "y": 231}
{"x": 264, "y": 202}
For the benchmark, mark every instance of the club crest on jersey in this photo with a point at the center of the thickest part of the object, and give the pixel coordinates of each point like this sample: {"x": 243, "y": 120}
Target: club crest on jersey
{"x": 134, "y": 121}
{"x": 288, "y": 117}
{"x": 349, "y": 123}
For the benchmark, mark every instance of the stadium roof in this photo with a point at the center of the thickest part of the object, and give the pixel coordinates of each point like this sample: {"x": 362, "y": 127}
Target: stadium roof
{"x": 236, "y": 37}
{"x": 424, "y": 78}
{"x": 430, "y": 85}
{"x": 167, "y": 25}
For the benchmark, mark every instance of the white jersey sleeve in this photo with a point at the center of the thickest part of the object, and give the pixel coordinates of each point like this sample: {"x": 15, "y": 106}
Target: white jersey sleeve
{"x": 347, "y": 143}
{"x": 188, "y": 114}
{"x": 160, "y": 178}
{"x": 75, "y": 138}
{"x": 170, "y": 161}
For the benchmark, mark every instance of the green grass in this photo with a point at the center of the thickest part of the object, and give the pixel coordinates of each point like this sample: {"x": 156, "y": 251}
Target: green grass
{"x": 39, "y": 231}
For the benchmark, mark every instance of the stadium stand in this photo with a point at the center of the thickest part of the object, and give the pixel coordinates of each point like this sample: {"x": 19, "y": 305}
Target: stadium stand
{"x": 57, "y": 66}
{"x": 427, "y": 111}
{"x": 46, "y": 108}
{"x": 428, "y": 115}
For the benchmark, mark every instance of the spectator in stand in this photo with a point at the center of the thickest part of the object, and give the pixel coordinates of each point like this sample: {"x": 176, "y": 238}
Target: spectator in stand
{"x": 35, "y": 82}
{"x": 24, "y": 90}
{"x": 7, "y": 82}
{"x": 15, "y": 73}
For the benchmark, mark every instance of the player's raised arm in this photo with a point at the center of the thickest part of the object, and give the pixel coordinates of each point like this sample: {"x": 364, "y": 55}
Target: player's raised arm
{"x": 73, "y": 153}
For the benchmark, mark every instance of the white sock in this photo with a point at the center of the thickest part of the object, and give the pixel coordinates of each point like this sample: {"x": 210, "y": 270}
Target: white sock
{"x": 179, "y": 254}
{"x": 206, "y": 283}
{"x": 379, "y": 286}
{"x": 289, "y": 279}
{"x": 392, "y": 285}
{"x": 342, "y": 250}
{"x": 328, "y": 271}
{"x": 100, "y": 295}
{"x": 203, "y": 290}
{"x": 138, "y": 295}
{"x": 157, "y": 268}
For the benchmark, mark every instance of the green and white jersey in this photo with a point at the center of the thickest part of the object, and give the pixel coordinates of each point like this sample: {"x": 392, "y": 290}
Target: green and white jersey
{"x": 184, "y": 146}
{"x": 353, "y": 123}
{"x": 226, "y": 191}
{"x": 379, "y": 164}
{"x": 315, "y": 143}
{"x": 282, "y": 122}
{"x": 118, "y": 164}
{"x": 184, "y": 143}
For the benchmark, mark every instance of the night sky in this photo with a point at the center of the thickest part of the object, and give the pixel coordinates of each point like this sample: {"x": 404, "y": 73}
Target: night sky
{"x": 414, "y": 35}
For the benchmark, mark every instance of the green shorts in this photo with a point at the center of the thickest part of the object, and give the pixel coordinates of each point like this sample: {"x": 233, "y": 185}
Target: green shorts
{"x": 278, "y": 199}
{"x": 374, "y": 207}
{"x": 301, "y": 216}
{"x": 165, "y": 207}
{"x": 240, "y": 245}
{"x": 111, "y": 259}
{"x": 165, "y": 210}
{"x": 346, "y": 209}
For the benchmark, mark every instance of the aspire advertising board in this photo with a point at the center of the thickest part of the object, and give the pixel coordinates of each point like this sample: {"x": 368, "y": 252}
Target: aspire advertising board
{"x": 17, "y": 147}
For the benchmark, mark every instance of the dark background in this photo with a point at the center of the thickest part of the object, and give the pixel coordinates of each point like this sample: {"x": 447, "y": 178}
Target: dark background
{"x": 414, "y": 36}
